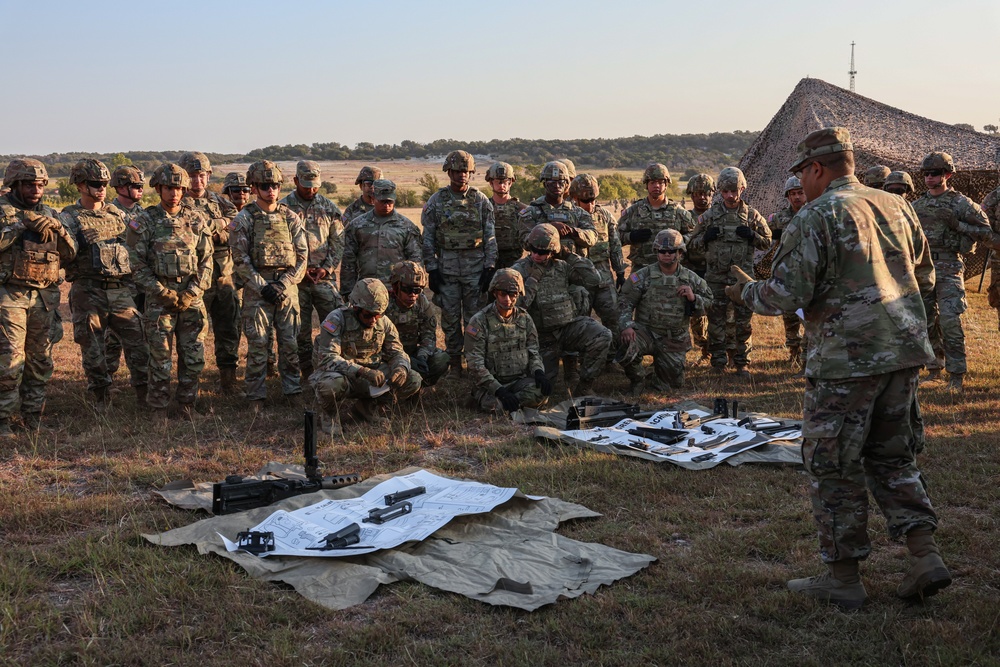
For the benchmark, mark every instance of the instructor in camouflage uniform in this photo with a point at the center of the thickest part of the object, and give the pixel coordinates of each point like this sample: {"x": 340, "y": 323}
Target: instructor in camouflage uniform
{"x": 506, "y": 210}
{"x": 460, "y": 249}
{"x": 501, "y": 348}
{"x": 366, "y": 201}
{"x": 953, "y": 224}
{"x": 856, "y": 261}
{"x": 416, "y": 321}
{"x": 33, "y": 245}
{"x": 128, "y": 182}
{"x": 777, "y": 223}
{"x": 642, "y": 220}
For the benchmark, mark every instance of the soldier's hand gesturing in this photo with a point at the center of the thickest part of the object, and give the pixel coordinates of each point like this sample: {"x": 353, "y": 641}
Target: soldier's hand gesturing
{"x": 686, "y": 292}
{"x": 398, "y": 377}
{"x": 374, "y": 376}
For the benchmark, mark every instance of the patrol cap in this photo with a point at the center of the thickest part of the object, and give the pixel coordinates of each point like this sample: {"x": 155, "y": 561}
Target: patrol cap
{"x": 234, "y": 179}
{"x": 500, "y": 171}
{"x": 264, "y": 171}
{"x": 370, "y": 294}
{"x": 126, "y": 175}
{"x": 732, "y": 178}
{"x": 898, "y": 178}
{"x": 459, "y": 161}
{"x": 408, "y": 273}
{"x": 700, "y": 183}
{"x": 24, "y": 169}
{"x": 792, "y": 183}
{"x": 384, "y": 190}
{"x": 655, "y": 172}
{"x": 170, "y": 175}
{"x": 308, "y": 174}
{"x": 938, "y": 160}
{"x": 875, "y": 176}
{"x": 89, "y": 169}
{"x": 193, "y": 162}
{"x": 507, "y": 280}
{"x": 825, "y": 141}
{"x": 669, "y": 239}
{"x": 368, "y": 174}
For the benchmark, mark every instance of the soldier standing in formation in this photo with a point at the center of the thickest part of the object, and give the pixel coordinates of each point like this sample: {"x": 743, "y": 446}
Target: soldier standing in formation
{"x": 701, "y": 188}
{"x": 642, "y": 220}
{"x": 952, "y": 223}
{"x": 128, "y": 182}
{"x": 867, "y": 335}
{"x": 991, "y": 206}
{"x": 236, "y": 190}
{"x": 101, "y": 296}
{"x": 875, "y": 176}
{"x": 777, "y": 223}
{"x": 270, "y": 251}
{"x": 366, "y": 201}
{"x": 416, "y": 321}
{"x": 171, "y": 256}
{"x": 899, "y": 183}
{"x": 506, "y": 210}
{"x": 501, "y": 349}
{"x": 460, "y": 249}
{"x": 325, "y": 235}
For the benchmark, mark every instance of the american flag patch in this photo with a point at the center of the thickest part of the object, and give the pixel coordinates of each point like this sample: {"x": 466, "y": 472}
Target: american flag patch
{"x": 332, "y": 327}
{"x": 134, "y": 224}
{"x": 472, "y": 330}
{"x": 634, "y": 277}
{"x": 232, "y": 225}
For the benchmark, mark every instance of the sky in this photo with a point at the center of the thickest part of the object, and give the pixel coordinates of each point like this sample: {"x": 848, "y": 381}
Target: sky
{"x": 228, "y": 76}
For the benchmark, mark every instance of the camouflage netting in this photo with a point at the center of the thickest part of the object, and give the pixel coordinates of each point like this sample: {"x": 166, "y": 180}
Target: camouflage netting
{"x": 881, "y": 135}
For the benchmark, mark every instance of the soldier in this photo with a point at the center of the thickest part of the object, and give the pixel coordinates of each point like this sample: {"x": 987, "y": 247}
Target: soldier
{"x": 325, "y": 235}
{"x": 501, "y": 348}
{"x": 506, "y": 209}
{"x": 546, "y": 297}
{"x": 875, "y": 176}
{"x": 855, "y": 260}
{"x": 656, "y": 303}
{"x": 701, "y": 188}
{"x": 641, "y": 221}
{"x": 777, "y": 223}
{"x": 416, "y": 321}
{"x": 991, "y": 206}
{"x": 899, "y": 183}
{"x": 376, "y": 240}
{"x": 235, "y": 189}
{"x": 221, "y": 300}
{"x": 728, "y": 233}
{"x": 128, "y": 182}
{"x": 270, "y": 252}
{"x": 366, "y": 202}
{"x": 460, "y": 249}
{"x": 33, "y": 244}
{"x": 357, "y": 351}
{"x": 101, "y": 296}
{"x": 171, "y": 257}
{"x": 952, "y": 223}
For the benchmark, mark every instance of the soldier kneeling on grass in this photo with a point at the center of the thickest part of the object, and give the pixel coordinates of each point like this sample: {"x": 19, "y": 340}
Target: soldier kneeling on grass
{"x": 358, "y": 351}
{"x": 416, "y": 320}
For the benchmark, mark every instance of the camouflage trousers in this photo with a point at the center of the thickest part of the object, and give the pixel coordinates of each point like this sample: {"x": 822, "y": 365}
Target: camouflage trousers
{"x": 26, "y": 317}
{"x": 332, "y": 387}
{"x": 528, "y": 395}
{"x": 863, "y": 433}
{"x": 604, "y": 300}
{"x": 668, "y": 352}
{"x": 717, "y": 328}
{"x": 321, "y": 297}
{"x": 436, "y": 366}
{"x": 259, "y": 317}
{"x": 112, "y": 343}
{"x": 97, "y": 311}
{"x": 222, "y": 302}
{"x": 793, "y": 330}
{"x": 699, "y": 331}
{"x": 993, "y": 294}
{"x": 944, "y": 321}
{"x": 459, "y": 300}
{"x": 583, "y": 335}
{"x": 506, "y": 258}
{"x": 185, "y": 332}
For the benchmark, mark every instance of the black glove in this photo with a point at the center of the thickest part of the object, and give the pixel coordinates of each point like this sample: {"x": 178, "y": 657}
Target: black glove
{"x": 486, "y": 277}
{"x": 436, "y": 281}
{"x": 419, "y": 364}
{"x": 640, "y": 235}
{"x": 712, "y": 233}
{"x": 273, "y": 292}
{"x": 508, "y": 399}
{"x": 619, "y": 280}
{"x": 688, "y": 308}
{"x": 542, "y": 382}
{"x": 745, "y": 232}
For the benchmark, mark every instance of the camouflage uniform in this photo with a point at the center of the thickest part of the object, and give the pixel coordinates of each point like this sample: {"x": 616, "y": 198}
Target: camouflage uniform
{"x": 952, "y": 223}
{"x": 270, "y": 248}
{"x": 101, "y": 297}
{"x": 29, "y": 297}
{"x": 112, "y": 344}
{"x": 641, "y": 215}
{"x": 172, "y": 253}
{"x": 503, "y": 353}
{"x": 699, "y": 321}
{"x": 356, "y": 209}
{"x": 991, "y": 206}
{"x": 650, "y": 305}
{"x": 417, "y": 329}
{"x": 372, "y": 244}
{"x": 777, "y": 222}
{"x": 508, "y": 231}
{"x": 720, "y": 254}
{"x": 460, "y": 243}
{"x": 325, "y": 235}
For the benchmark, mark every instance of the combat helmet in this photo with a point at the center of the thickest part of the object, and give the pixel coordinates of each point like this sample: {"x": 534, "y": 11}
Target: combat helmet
{"x": 875, "y": 176}
{"x": 89, "y": 170}
{"x": 507, "y": 280}
{"x": 669, "y": 239}
{"x": 368, "y": 174}
{"x": 584, "y": 186}
{"x": 570, "y": 167}
{"x": 264, "y": 171}
{"x": 25, "y": 169}
{"x": 459, "y": 161}
{"x": 234, "y": 179}
{"x": 938, "y": 160}
{"x": 554, "y": 171}
{"x": 193, "y": 162}
{"x": 126, "y": 175}
{"x": 792, "y": 184}
{"x": 898, "y": 178}
{"x": 656, "y": 172}
{"x": 500, "y": 171}
{"x": 544, "y": 237}
{"x": 732, "y": 178}
{"x": 700, "y": 183}
{"x": 170, "y": 175}
{"x": 408, "y": 273}
{"x": 371, "y": 295}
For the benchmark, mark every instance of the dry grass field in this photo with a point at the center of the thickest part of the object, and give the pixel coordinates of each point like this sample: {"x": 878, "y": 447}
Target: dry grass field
{"x": 78, "y": 585}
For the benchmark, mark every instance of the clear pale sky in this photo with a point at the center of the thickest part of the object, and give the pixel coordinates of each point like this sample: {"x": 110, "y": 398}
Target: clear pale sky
{"x": 232, "y": 76}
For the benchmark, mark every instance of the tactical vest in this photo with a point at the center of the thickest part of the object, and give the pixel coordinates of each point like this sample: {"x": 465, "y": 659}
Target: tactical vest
{"x": 507, "y": 347}
{"x": 353, "y": 343}
{"x": 729, "y": 249}
{"x": 506, "y": 227}
{"x": 319, "y": 224}
{"x": 935, "y": 213}
{"x": 553, "y": 304}
{"x": 600, "y": 252}
{"x": 660, "y": 308}
{"x": 213, "y": 210}
{"x": 174, "y": 245}
{"x": 31, "y": 263}
{"x": 459, "y": 226}
{"x": 107, "y": 258}
{"x": 272, "y": 246}
{"x": 565, "y": 216}
{"x": 407, "y": 323}
{"x": 646, "y": 217}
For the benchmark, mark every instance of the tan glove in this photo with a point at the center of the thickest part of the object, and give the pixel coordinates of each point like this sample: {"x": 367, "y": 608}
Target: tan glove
{"x": 735, "y": 292}
{"x": 398, "y": 377}
{"x": 221, "y": 237}
{"x": 375, "y": 377}
{"x": 43, "y": 225}
{"x": 167, "y": 299}
{"x": 185, "y": 299}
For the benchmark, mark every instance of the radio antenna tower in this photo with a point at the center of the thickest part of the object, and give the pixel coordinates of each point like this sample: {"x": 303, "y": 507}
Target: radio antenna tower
{"x": 852, "y": 71}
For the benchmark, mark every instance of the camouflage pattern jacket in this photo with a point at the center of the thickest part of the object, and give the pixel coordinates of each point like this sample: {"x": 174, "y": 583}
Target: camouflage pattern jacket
{"x": 417, "y": 326}
{"x": 952, "y": 222}
{"x": 546, "y": 288}
{"x": 344, "y": 345}
{"x": 372, "y": 244}
{"x": 105, "y": 259}
{"x": 642, "y": 215}
{"x": 459, "y": 235}
{"x": 356, "y": 209}
{"x": 220, "y": 212}
{"x": 778, "y": 220}
{"x": 171, "y": 251}
{"x": 24, "y": 260}
{"x": 539, "y": 211}
{"x": 730, "y": 250}
{"x": 506, "y": 226}
{"x": 130, "y": 213}
{"x": 649, "y": 297}
{"x": 858, "y": 264}
{"x": 608, "y": 247}
{"x": 499, "y": 351}
{"x": 272, "y": 244}
{"x": 324, "y": 231}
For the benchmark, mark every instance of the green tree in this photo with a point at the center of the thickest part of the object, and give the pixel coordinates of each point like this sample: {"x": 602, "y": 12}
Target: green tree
{"x": 992, "y": 129}
{"x": 430, "y": 184}
{"x": 407, "y": 198}
{"x": 329, "y": 188}
{"x": 527, "y": 186}
{"x": 965, "y": 126}
{"x": 119, "y": 160}
{"x": 67, "y": 191}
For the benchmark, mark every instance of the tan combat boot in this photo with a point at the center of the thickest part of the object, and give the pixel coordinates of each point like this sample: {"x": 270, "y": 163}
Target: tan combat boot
{"x": 933, "y": 375}
{"x": 928, "y": 573}
{"x": 955, "y": 382}
{"x": 329, "y": 425}
{"x": 141, "y": 391}
{"x": 6, "y": 432}
{"x": 304, "y": 372}
{"x": 455, "y": 364}
{"x": 366, "y": 409}
{"x": 840, "y": 586}
{"x": 227, "y": 380}
{"x": 102, "y": 401}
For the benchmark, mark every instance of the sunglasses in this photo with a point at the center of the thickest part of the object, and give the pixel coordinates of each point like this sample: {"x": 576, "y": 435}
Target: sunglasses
{"x": 411, "y": 290}
{"x": 590, "y": 200}
{"x": 934, "y": 172}
{"x": 369, "y": 315}
{"x": 244, "y": 189}
{"x": 512, "y": 295}
{"x": 269, "y": 186}
{"x": 543, "y": 253}
{"x": 97, "y": 185}
{"x": 136, "y": 186}
{"x": 668, "y": 251}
